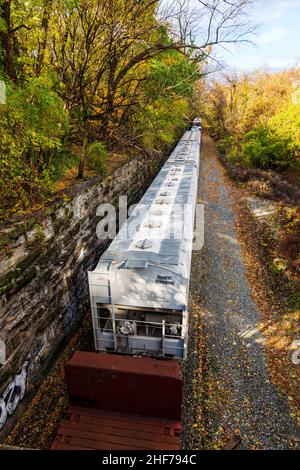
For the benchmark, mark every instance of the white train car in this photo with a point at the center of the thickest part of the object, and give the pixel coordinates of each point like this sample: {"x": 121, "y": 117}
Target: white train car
{"x": 139, "y": 288}
{"x": 197, "y": 122}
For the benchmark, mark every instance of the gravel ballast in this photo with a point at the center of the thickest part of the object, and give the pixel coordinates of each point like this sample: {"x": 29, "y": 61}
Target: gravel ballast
{"x": 236, "y": 390}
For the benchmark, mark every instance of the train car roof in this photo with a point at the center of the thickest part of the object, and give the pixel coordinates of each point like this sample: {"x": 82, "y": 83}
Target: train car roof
{"x": 145, "y": 236}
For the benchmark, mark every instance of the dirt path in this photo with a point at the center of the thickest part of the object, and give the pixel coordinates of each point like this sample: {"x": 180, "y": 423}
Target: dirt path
{"x": 240, "y": 397}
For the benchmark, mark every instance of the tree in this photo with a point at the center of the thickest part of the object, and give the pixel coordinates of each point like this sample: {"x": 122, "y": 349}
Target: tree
{"x": 102, "y": 51}
{"x": 6, "y": 36}
{"x": 43, "y": 36}
{"x": 122, "y": 72}
{"x": 30, "y": 135}
{"x": 256, "y": 119}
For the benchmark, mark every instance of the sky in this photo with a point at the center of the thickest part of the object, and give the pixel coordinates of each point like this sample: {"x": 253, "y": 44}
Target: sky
{"x": 277, "y": 38}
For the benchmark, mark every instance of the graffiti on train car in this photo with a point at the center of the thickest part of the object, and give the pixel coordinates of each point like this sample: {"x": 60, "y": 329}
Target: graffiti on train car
{"x": 13, "y": 394}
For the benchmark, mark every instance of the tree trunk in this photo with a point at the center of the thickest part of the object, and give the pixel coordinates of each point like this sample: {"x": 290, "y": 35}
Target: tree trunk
{"x": 6, "y": 40}
{"x": 43, "y": 43}
{"x": 81, "y": 166}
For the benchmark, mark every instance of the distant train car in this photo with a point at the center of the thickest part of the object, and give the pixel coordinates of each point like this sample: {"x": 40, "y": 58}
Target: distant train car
{"x": 139, "y": 288}
{"x": 197, "y": 123}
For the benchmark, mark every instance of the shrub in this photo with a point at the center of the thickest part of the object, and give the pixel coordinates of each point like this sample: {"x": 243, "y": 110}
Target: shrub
{"x": 224, "y": 145}
{"x": 293, "y": 301}
{"x": 97, "y": 157}
{"x": 32, "y": 122}
{"x": 256, "y": 119}
{"x": 279, "y": 265}
{"x": 288, "y": 219}
{"x": 286, "y": 125}
{"x": 228, "y": 148}
{"x": 262, "y": 148}
{"x": 62, "y": 162}
{"x": 260, "y": 188}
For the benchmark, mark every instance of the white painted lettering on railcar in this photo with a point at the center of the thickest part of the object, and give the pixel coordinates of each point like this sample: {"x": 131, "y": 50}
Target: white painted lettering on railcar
{"x": 164, "y": 280}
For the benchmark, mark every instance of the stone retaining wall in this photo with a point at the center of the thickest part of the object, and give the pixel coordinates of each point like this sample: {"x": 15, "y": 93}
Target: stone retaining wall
{"x": 44, "y": 261}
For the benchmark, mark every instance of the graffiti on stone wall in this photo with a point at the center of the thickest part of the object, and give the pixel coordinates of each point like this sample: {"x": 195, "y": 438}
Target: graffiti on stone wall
{"x": 12, "y": 395}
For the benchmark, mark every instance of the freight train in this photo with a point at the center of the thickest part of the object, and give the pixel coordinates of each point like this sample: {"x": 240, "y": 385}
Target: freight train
{"x": 139, "y": 288}
{"x": 128, "y": 394}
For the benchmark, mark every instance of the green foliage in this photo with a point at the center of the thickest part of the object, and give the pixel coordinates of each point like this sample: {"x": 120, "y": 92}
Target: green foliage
{"x": 228, "y": 146}
{"x": 32, "y": 123}
{"x": 257, "y": 119}
{"x": 293, "y": 301}
{"x": 172, "y": 74}
{"x": 38, "y": 113}
{"x": 97, "y": 157}
{"x": 70, "y": 80}
{"x": 166, "y": 94}
{"x": 2, "y": 26}
{"x": 160, "y": 121}
{"x": 62, "y": 161}
{"x": 286, "y": 126}
{"x": 279, "y": 265}
{"x": 264, "y": 149}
